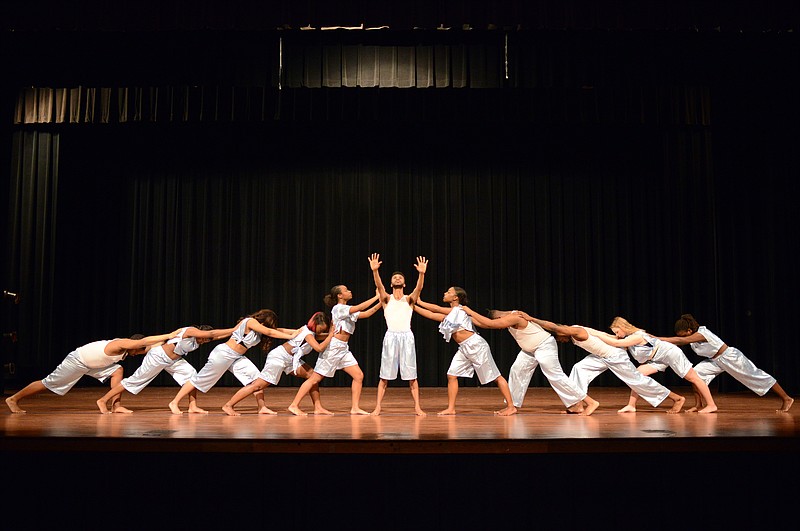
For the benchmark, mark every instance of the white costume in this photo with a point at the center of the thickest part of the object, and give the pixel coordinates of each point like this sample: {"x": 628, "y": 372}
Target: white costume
{"x": 474, "y": 356}
{"x": 539, "y": 348}
{"x": 90, "y": 359}
{"x": 399, "y": 349}
{"x": 223, "y": 358}
{"x": 157, "y": 360}
{"x": 732, "y": 361}
{"x": 337, "y": 355}
{"x": 280, "y": 360}
{"x": 602, "y": 357}
{"x": 660, "y": 354}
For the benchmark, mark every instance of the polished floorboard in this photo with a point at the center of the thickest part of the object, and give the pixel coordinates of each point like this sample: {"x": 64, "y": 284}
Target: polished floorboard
{"x": 735, "y": 469}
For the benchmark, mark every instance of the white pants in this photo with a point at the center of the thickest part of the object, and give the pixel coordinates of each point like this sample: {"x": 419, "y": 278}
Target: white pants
{"x": 69, "y": 371}
{"x": 740, "y": 367}
{"x": 623, "y": 368}
{"x": 546, "y": 356}
{"x": 223, "y": 358}
{"x": 155, "y": 361}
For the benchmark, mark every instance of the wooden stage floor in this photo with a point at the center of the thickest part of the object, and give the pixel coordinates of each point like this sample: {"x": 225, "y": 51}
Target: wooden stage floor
{"x": 530, "y": 467}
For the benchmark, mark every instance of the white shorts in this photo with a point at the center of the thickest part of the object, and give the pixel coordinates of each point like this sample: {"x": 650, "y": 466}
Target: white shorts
{"x": 336, "y": 356}
{"x": 399, "y": 352}
{"x": 223, "y": 358}
{"x": 278, "y": 362}
{"x": 69, "y": 371}
{"x": 474, "y": 356}
{"x": 155, "y": 361}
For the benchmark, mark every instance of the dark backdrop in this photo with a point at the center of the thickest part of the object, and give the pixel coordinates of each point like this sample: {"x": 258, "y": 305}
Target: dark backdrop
{"x": 638, "y": 173}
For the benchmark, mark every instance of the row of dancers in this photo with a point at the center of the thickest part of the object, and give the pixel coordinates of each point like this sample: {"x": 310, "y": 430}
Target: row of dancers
{"x": 329, "y": 334}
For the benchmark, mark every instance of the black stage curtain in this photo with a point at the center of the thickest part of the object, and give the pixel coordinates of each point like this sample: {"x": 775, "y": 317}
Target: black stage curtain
{"x": 574, "y": 202}
{"x": 153, "y": 228}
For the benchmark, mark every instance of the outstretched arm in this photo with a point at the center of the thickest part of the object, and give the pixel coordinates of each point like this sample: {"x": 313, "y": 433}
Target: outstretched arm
{"x": 434, "y": 316}
{"x": 217, "y": 333}
{"x": 422, "y": 267}
{"x": 506, "y": 321}
{"x": 371, "y": 311}
{"x": 697, "y": 337}
{"x": 576, "y": 332}
{"x": 626, "y": 342}
{"x": 364, "y": 305}
{"x": 433, "y": 307}
{"x": 118, "y": 346}
{"x": 374, "y": 265}
{"x": 272, "y": 332}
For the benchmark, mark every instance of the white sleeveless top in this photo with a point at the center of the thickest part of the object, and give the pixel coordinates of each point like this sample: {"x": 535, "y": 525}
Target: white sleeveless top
{"x": 595, "y": 345}
{"x": 184, "y": 345}
{"x": 94, "y": 356}
{"x": 343, "y": 319}
{"x": 530, "y": 337}
{"x": 709, "y": 347}
{"x": 398, "y": 314}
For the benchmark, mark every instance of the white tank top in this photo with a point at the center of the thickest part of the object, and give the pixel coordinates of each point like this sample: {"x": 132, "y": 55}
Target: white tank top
{"x": 398, "y": 314}
{"x": 709, "y": 347}
{"x": 595, "y": 345}
{"x": 94, "y": 356}
{"x": 530, "y": 337}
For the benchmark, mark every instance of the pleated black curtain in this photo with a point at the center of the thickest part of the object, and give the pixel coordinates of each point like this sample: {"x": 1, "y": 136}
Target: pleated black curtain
{"x": 163, "y": 228}
{"x": 578, "y": 194}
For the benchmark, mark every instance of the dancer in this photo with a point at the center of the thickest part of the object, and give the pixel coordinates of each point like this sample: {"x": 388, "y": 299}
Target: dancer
{"x": 230, "y": 356}
{"x": 316, "y": 334}
{"x": 538, "y": 348}
{"x": 655, "y": 356}
{"x": 168, "y": 357}
{"x": 98, "y": 360}
{"x": 723, "y": 358}
{"x": 399, "y": 349}
{"x": 602, "y": 357}
{"x": 473, "y": 355}
{"x": 337, "y": 355}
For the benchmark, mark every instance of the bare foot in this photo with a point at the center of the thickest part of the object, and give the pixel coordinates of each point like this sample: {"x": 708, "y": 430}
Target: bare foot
{"x": 121, "y": 409}
{"x": 175, "y": 409}
{"x": 627, "y": 409}
{"x": 376, "y": 412}
{"x": 230, "y": 411}
{"x": 12, "y": 405}
{"x": 101, "y": 404}
{"x": 358, "y": 411}
{"x": 507, "y": 412}
{"x": 692, "y": 409}
{"x": 322, "y": 411}
{"x": 297, "y": 411}
{"x": 266, "y": 411}
{"x": 708, "y": 409}
{"x": 676, "y": 407}
{"x": 447, "y": 411}
{"x": 196, "y": 409}
{"x": 787, "y": 405}
{"x": 419, "y": 412}
{"x": 592, "y": 405}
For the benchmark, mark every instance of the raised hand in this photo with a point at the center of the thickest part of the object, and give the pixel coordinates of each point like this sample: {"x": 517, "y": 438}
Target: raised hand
{"x": 422, "y": 264}
{"x": 374, "y": 261}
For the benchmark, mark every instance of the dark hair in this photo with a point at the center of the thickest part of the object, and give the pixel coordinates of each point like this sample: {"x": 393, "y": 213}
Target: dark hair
{"x": 137, "y": 337}
{"x": 204, "y": 327}
{"x": 269, "y": 319}
{"x": 399, "y": 273}
{"x": 330, "y": 299}
{"x": 317, "y": 319}
{"x": 462, "y": 295}
{"x": 686, "y": 322}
